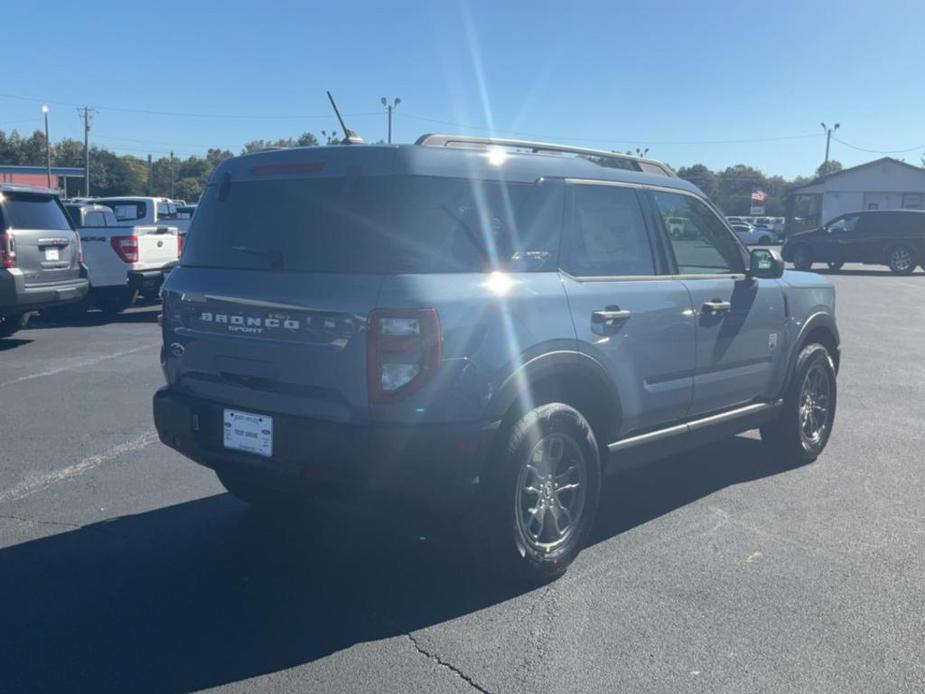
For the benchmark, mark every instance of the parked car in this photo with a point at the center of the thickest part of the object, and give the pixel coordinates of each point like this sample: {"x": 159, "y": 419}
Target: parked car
{"x": 40, "y": 256}
{"x": 122, "y": 260}
{"x": 736, "y": 220}
{"x": 144, "y": 211}
{"x": 754, "y": 236}
{"x": 895, "y": 238}
{"x": 487, "y": 330}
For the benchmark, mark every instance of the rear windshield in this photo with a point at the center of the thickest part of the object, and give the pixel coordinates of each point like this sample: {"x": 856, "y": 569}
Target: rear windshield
{"x": 30, "y": 211}
{"x": 371, "y": 224}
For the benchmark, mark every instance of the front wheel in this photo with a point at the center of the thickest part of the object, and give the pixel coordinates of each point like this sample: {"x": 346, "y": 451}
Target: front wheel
{"x": 542, "y": 495}
{"x": 835, "y": 267}
{"x": 902, "y": 260}
{"x": 10, "y": 325}
{"x": 803, "y": 428}
{"x": 802, "y": 259}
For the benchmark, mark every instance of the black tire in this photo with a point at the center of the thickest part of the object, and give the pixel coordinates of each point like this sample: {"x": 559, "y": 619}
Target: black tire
{"x": 902, "y": 260}
{"x": 787, "y": 436}
{"x": 9, "y": 325}
{"x": 251, "y": 493}
{"x": 506, "y": 536}
{"x": 835, "y": 267}
{"x": 802, "y": 258}
{"x": 111, "y": 303}
{"x": 66, "y": 314}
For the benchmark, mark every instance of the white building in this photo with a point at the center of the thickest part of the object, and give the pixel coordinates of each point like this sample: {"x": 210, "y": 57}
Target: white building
{"x": 884, "y": 184}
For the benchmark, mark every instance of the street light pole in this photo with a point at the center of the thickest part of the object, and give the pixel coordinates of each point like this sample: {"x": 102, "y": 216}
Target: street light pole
{"x": 47, "y": 149}
{"x": 828, "y": 141}
{"x": 390, "y": 107}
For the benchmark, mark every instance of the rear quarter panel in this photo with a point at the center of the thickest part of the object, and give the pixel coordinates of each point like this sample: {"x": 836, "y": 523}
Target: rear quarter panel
{"x": 491, "y": 324}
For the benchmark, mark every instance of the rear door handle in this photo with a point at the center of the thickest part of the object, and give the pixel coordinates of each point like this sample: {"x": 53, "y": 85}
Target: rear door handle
{"x": 604, "y": 322}
{"x": 717, "y": 306}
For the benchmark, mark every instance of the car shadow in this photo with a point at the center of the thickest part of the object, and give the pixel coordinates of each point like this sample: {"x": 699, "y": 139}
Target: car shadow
{"x": 7, "y": 343}
{"x": 144, "y": 314}
{"x": 210, "y": 592}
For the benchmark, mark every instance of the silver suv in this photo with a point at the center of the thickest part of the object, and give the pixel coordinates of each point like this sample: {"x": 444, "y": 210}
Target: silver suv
{"x": 494, "y": 321}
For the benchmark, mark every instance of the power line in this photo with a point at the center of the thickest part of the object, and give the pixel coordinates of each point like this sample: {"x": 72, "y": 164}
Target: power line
{"x": 183, "y": 114}
{"x": 623, "y": 142}
{"x": 879, "y": 151}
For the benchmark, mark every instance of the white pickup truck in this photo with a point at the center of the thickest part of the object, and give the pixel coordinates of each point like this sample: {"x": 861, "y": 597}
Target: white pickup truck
{"x": 122, "y": 258}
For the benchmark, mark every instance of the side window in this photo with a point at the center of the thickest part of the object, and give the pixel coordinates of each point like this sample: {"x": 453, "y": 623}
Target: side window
{"x": 605, "y": 234}
{"x": 701, "y": 243}
{"x": 844, "y": 225}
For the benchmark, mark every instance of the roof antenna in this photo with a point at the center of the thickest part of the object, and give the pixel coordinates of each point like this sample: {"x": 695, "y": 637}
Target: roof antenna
{"x": 350, "y": 136}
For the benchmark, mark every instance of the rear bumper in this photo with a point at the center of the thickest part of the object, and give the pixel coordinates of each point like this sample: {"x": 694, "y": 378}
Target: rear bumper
{"x": 149, "y": 280}
{"x": 17, "y": 297}
{"x": 311, "y": 454}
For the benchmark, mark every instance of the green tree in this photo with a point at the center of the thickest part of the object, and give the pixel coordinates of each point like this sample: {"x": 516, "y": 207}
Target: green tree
{"x": 700, "y": 176}
{"x": 828, "y": 167}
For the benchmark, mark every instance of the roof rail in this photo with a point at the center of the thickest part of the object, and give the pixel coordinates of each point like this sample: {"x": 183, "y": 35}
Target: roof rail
{"x": 650, "y": 166}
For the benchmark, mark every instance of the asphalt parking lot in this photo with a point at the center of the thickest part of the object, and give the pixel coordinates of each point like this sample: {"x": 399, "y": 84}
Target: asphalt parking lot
{"x": 125, "y": 568}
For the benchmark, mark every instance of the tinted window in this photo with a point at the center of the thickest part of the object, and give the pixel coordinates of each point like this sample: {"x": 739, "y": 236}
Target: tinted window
{"x": 606, "y": 234}
{"x": 844, "y": 225}
{"x": 27, "y": 211}
{"x": 376, "y": 224}
{"x": 73, "y": 211}
{"x": 700, "y": 241}
{"x": 94, "y": 219}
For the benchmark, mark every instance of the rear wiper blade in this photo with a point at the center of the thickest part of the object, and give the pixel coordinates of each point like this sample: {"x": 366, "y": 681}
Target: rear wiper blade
{"x": 275, "y": 256}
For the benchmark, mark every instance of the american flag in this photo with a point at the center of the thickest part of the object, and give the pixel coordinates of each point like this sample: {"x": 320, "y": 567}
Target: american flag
{"x": 759, "y": 196}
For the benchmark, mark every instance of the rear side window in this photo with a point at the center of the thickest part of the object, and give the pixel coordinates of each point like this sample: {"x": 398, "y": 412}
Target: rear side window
{"x": 28, "y": 211}
{"x": 95, "y": 219}
{"x": 377, "y": 224}
{"x": 699, "y": 240}
{"x": 606, "y": 234}
{"x": 126, "y": 210}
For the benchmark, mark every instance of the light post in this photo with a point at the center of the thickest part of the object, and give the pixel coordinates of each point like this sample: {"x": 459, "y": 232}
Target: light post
{"x": 390, "y": 107}
{"x": 828, "y": 140}
{"x": 47, "y": 149}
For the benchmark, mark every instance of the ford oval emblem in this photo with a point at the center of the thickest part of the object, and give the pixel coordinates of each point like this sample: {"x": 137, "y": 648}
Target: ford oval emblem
{"x": 176, "y": 349}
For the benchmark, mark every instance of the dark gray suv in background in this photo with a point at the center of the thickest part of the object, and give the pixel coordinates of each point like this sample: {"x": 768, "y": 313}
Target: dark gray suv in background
{"x": 495, "y": 321}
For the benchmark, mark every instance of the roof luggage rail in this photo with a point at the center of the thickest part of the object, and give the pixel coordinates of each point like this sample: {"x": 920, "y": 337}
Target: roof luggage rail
{"x": 650, "y": 166}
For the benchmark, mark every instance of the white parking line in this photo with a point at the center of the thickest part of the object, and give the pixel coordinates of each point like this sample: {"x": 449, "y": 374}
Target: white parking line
{"x": 79, "y": 365}
{"x": 40, "y": 482}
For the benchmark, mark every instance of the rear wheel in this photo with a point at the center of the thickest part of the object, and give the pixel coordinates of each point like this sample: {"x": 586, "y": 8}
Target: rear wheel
{"x": 803, "y": 428}
{"x": 12, "y": 324}
{"x": 114, "y": 301}
{"x": 802, "y": 258}
{"x": 542, "y": 495}
{"x": 835, "y": 266}
{"x": 902, "y": 260}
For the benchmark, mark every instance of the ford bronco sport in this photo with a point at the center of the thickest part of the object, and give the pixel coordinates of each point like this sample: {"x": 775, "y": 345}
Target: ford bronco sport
{"x": 504, "y": 320}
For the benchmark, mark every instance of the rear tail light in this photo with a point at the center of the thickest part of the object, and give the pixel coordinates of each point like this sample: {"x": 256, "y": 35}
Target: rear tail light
{"x": 181, "y": 243}
{"x": 126, "y": 247}
{"x": 7, "y": 249}
{"x": 80, "y": 250}
{"x": 404, "y": 349}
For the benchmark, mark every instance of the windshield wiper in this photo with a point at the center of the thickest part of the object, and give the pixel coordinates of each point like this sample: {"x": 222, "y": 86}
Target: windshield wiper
{"x": 275, "y": 256}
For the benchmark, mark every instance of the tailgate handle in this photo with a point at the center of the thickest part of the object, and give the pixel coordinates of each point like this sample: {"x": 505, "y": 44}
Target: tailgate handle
{"x": 57, "y": 241}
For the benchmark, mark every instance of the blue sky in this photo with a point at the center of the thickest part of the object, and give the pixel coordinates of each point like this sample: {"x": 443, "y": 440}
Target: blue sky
{"x": 682, "y": 78}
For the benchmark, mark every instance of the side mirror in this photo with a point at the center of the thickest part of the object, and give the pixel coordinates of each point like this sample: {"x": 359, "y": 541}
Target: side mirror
{"x": 764, "y": 264}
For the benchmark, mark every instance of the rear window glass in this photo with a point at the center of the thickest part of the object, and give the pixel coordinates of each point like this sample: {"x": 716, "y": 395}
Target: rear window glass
{"x": 370, "y": 224}
{"x": 26, "y": 211}
{"x": 126, "y": 210}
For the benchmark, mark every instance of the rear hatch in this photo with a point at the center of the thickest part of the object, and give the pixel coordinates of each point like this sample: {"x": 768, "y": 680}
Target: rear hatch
{"x": 38, "y": 232}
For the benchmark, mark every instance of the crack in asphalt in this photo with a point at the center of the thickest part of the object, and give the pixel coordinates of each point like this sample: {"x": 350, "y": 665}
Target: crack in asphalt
{"x": 32, "y": 521}
{"x": 449, "y": 666}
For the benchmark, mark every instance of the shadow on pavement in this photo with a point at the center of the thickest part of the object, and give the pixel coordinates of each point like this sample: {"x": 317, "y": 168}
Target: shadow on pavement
{"x": 12, "y": 343}
{"x": 885, "y": 272}
{"x": 209, "y": 592}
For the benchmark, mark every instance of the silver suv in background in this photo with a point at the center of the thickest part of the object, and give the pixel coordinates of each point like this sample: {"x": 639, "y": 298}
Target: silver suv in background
{"x": 40, "y": 256}
{"x": 485, "y": 325}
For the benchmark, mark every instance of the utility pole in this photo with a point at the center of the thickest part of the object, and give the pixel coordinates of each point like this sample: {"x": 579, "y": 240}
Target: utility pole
{"x": 390, "y": 107}
{"x": 828, "y": 140}
{"x": 47, "y": 149}
{"x": 148, "y": 189}
{"x": 87, "y": 116}
{"x": 171, "y": 174}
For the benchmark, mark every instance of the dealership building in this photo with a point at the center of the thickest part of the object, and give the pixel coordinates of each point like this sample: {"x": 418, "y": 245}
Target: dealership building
{"x": 69, "y": 180}
{"x": 883, "y": 184}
